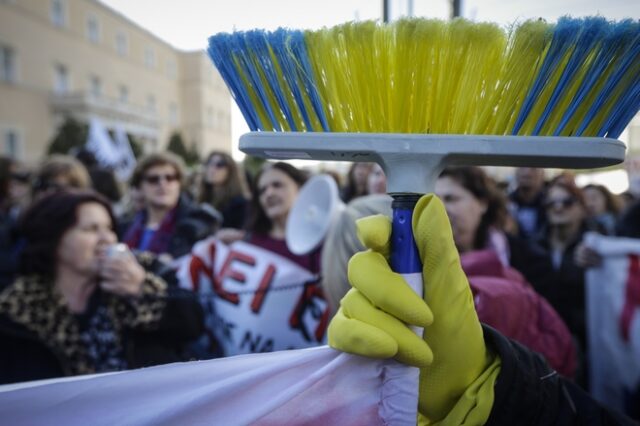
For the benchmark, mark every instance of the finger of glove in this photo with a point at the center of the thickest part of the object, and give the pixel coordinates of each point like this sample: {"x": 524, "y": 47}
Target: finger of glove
{"x": 374, "y": 232}
{"x": 411, "y": 349}
{"x": 370, "y": 273}
{"x": 359, "y": 338}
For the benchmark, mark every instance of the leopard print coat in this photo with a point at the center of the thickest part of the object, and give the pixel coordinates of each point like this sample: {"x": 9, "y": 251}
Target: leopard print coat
{"x": 34, "y": 304}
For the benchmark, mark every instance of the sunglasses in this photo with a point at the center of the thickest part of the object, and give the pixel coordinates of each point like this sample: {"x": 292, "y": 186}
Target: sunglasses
{"x": 155, "y": 179}
{"x": 564, "y": 203}
{"x": 220, "y": 164}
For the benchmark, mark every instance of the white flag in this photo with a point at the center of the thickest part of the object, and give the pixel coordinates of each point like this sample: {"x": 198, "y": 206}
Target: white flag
{"x": 100, "y": 144}
{"x": 317, "y": 386}
{"x": 126, "y": 161}
{"x": 613, "y": 320}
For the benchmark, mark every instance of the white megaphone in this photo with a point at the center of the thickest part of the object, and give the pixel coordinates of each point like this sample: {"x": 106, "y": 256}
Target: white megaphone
{"x": 317, "y": 204}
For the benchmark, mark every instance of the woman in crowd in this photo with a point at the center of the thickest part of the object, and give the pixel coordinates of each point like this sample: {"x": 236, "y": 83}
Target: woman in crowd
{"x": 59, "y": 172}
{"x": 277, "y": 186}
{"x": 376, "y": 181}
{"x": 83, "y": 304}
{"x": 567, "y": 224}
{"x": 478, "y": 214}
{"x": 502, "y": 298}
{"x": 223, "y": 187}
{"x": 602, "y": 207}
{"x": 357, "y": 179}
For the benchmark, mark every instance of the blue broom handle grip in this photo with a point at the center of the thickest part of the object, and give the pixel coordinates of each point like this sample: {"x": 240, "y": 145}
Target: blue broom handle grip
{"x": 405, "y": 258}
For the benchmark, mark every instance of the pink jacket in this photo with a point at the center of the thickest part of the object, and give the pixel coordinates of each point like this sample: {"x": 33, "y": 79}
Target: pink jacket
{"x": 505, "y": 301}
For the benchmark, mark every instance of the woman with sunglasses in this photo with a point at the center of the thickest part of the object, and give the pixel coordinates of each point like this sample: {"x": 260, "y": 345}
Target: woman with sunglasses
{"x": 169, "y": 223}
{"x": 566, "y": 225}
{"x": 223, "y": 186}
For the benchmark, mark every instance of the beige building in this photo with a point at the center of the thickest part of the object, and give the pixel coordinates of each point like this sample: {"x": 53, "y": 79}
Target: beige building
{"x": 81, "y": 58}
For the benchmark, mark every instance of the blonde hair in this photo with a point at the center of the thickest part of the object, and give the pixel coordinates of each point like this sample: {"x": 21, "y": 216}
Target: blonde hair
{"x": 342, "y": 242}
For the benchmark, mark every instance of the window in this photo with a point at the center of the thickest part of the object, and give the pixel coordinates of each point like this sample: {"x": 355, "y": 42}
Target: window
{"x": 58, "y": 13}
{"x": 95, "y": 86}
{"x": 123, "y": 94}
{"x": 171, "y": 69}
{"x": 61, "y": 79}
{"x": 173, "y": 113}
{"x": 11, "y": 144}
{"x": 93, "y": 29}
{"x": 151, "y": 103}
{"x": 7, "y": 64}
{"x": 149, "y": 57}
{"x": 122, "y": 44}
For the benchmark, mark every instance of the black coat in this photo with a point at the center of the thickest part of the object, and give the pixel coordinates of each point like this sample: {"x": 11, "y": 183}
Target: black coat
{"x": 529, "y": 392}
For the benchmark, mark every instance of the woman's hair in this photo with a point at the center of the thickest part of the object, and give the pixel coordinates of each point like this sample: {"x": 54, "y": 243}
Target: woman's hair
{"x": 342, "y": 242}
{"x": 235, "y": 185}
{"x": 157, "y": 159}
{"x": 483, "y": 188}
{"x": 613, "y": 203}
{"x": 350, "y": 190}
{"x": 569, "y": 186}
{"x": 259, "y": 222}
{"x": 61, "y": 166}
{"x": 45, "y": 222}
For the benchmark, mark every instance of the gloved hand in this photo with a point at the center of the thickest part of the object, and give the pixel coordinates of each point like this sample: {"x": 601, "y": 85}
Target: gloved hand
{"x": 457, "y": 371}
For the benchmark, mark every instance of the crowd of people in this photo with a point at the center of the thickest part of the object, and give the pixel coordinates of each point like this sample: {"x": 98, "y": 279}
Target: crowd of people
{"x": 88, "y": 265}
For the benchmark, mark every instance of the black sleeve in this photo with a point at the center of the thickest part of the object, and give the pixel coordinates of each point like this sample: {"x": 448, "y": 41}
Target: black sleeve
{"x": 529, "y": 392}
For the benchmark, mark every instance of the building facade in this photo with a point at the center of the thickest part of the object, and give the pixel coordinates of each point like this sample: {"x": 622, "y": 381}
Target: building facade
{"x": 82, "y": 59}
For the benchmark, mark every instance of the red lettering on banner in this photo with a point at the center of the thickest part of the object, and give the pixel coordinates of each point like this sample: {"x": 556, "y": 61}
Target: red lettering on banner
{"x": 263, "y": 288}
{"x": 228, "y": 272}
{"x": 310, "y": 301}
{"x": 632, "y": 296}
{"x": 197, "y": 266}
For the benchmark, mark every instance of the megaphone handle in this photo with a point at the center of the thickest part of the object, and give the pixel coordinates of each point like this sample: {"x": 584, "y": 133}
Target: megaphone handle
{"x": 405, "y": 258}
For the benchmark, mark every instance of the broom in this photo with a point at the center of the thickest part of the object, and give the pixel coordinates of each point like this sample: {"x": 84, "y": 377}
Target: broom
{"x": 420, "y": 94}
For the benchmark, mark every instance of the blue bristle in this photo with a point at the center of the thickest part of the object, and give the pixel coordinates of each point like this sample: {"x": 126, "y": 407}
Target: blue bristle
{"x": 605, "y": 53}
{"x": 244, "y": 50}
{"x": 280, "y": 40}
{"x": 220, "y": 53}
{"x": 563, "y": 36}
{"x": 298, "y": 49}
{"x": 590, "y": 31}
{"x": 259, "y": 45}
{"x": 630, "y": 50}
{"x": 625, "y": 111}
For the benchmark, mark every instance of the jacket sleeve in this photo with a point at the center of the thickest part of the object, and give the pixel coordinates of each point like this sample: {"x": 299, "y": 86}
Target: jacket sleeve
{"x": 529, "y": 392}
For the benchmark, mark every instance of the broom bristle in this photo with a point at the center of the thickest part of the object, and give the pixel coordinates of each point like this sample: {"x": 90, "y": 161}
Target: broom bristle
{"x": 579, "y": 77}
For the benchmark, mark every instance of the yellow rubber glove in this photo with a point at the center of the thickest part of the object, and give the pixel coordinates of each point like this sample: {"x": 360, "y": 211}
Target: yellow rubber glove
{"x": 457, "y": 371}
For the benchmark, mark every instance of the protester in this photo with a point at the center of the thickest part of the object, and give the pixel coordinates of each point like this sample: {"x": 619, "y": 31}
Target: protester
{"x": 526, "y": 201}
{"x": 357, "y": 179}
{"x": 502, "y": 298}
{"x": 478, "y": 214}
{"x": 470, "y": 374}
{"x": 59, "y": 172}
{"x": 602, "y": 207}
{"x": 223, "y": 187}
{"x": 566, "y": 226}
{"x": 277, "y": 186}
{"x": 84, "y": 305}
{"x": 169, "y": 224}
{"x": 376, "y": 181}
{"x": 258, "y": 295}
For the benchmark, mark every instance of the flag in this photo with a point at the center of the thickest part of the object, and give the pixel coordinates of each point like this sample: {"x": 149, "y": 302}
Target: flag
{"x": 613, "y": 321}
{"x": 126, "y": 161}
{"x": 113, "y": 154}
{"x": 254, "y": 299}
{"x": 317, "y": 386}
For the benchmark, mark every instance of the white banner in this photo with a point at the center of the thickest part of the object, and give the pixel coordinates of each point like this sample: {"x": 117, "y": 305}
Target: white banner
{"x": 115, "y": 154}
{"x": 254, "y": 299}
{"x": 317, "y": 386}
{"x": 613, "y": 320}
